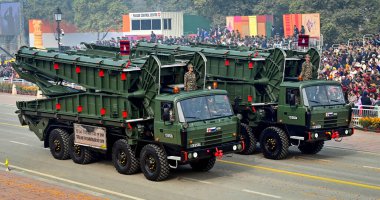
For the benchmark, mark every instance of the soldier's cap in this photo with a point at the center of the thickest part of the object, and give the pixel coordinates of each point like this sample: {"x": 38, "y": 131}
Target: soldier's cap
{"x": 190, "y": 66}
{"x": 307, "y": 55}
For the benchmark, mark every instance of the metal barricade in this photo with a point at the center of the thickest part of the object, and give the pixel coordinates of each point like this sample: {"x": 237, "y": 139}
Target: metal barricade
{"x": 364, "y": 111}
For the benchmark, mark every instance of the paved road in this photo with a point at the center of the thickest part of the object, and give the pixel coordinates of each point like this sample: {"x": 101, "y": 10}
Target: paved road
{"x": 346, "y": 170}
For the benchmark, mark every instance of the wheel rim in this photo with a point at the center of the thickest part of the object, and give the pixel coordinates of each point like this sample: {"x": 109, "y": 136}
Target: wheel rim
{"x": 271, "y": 144}
{"x": 122, "y": 158}
{"x": 57, "y": 145}
{"x": 150, "y": 164}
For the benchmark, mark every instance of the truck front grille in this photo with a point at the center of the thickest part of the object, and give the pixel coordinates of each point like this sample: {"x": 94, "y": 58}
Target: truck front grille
{"x": 330, "y": 122}
{"x": 213, "y": 137}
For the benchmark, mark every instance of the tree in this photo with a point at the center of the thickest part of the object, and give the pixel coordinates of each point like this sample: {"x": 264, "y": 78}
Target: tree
{"x": 99, "y": 16}
{"x": 44, "y": 9}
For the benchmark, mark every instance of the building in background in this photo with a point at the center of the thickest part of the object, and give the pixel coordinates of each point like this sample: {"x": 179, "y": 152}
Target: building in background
{"x": 258, "y": 25}
{"x": 42, "y": 34}
{"x": 162, "y": 23}
{"x": 310, "y": 21}
{"x": 136, "y": 26}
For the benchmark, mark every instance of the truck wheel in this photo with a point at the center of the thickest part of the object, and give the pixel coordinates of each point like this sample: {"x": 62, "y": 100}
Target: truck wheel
{"x": 274, "y": 143}
{"x": 203, "y": 165}
{"x": 123, "y": 158}
{"x": 311, "y": 148}
{"x": 249, "y": 139}
{"x": 154, "y": 163}
{"x": 80, "y": 154}
{"x": 59, "y": 144}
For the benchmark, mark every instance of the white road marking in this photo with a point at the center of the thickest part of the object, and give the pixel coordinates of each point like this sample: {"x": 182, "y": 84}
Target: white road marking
{"x": 263, "y": 194}
{"x": 75, "y": 183}
{"x": 19, "y": 143}
{"x": 355, "y": 150}
{"x": 369, "y": 167}
{"x": 196, "y": 180}
{"x": 316, "y": 159}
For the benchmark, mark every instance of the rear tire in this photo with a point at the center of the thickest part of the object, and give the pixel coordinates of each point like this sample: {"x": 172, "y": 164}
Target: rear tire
{"x": 249, "y": 139}
{"x": 154, "y": 163}
{"x": 123, "y": 158}
{"x": 203, "y": 165}
{"x": 59, "y": 144}
{"x": 311, "y": 148}
{"x": 81, "y": 154}
{"x": 274, "y": 143}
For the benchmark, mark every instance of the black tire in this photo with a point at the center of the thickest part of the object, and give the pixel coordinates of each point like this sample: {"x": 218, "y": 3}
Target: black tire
{"x": 59, "y": 144}
{"x": 249, "y": 139}
{"x": 274, "y": 143}
{"x": 81, "y": 154}
{"x": 123, "y": 158}
{"x": 153, "y": 163}
{"x": 203, "y": 165}
{"x": 311, "y": 148}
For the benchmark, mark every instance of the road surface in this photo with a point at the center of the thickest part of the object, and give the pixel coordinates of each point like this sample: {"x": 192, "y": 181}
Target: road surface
{"x": 346, "y": 170}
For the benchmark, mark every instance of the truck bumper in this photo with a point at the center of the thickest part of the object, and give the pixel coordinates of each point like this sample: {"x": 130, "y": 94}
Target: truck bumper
{"x": 328, "y": 134}
{"x": 207, "y": 152}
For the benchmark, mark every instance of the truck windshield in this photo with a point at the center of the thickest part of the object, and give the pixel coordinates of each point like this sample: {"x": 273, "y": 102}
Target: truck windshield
{"x": 323, "y": 95}
{"x": 203, "y": 108}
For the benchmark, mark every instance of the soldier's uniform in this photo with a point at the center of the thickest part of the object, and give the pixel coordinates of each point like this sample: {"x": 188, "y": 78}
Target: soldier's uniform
{"x": 190, "y": 81}
{"x": 307, "y": 71}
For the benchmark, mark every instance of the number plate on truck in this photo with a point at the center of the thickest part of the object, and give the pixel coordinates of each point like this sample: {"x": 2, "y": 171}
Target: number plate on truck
{"x": 91, "y": 136}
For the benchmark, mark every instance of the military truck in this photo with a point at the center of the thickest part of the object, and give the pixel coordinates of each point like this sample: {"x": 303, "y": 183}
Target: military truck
{"x": 129, "y": 109}
{"x": 277, "y": 109}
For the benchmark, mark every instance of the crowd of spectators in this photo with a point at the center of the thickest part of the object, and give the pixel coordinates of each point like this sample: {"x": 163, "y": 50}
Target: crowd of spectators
{"x": 356, "y": 65}
{"x": 215, "y": 36}
{"x": 5, "y": 67}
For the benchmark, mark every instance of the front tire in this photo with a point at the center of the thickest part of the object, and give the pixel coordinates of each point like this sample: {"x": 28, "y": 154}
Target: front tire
{"x": 80, "y": 154}
{"x": 203, "y": 165}
{"x": 154, "y": 163}
{"x": 311, "y": 148}
{"x": 274, "y": 143}
{"x": 249, "y": 139}
{"x": 59, "y": 144}
{"x": 123, "y": 158}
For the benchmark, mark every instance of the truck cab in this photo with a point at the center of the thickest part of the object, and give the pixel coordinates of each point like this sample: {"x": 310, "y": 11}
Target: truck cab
{"x": 314, "y": 111}
{"x": 199, "y": 124}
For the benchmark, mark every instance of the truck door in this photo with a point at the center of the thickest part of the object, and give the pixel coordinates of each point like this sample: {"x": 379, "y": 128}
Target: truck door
{"x": 292, "y": 111}
{"x": 166, "y": 127}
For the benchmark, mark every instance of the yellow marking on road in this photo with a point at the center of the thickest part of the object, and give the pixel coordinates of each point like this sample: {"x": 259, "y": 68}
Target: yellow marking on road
{"x": 14, "y": 125}
{"x": 320, "y": 178}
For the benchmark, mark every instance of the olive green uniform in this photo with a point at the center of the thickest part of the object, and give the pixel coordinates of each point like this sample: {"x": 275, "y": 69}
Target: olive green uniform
{"x": 307, "y": 71}
{"x": 190, "y": 81}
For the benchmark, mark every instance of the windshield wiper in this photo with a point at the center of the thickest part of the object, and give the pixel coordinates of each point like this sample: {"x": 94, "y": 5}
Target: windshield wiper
{"x": 191, "y": 117}
{"x": 334, "y": 100}
{"x": 315, "y": 101}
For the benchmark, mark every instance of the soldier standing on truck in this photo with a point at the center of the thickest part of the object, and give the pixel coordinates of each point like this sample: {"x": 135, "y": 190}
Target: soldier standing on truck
{"x": 190, "y": 79}
{"x": 307, "y": 69}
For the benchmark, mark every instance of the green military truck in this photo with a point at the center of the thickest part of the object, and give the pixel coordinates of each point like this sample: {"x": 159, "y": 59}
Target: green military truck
{"x": 130, "y": 110}
{"x": 277, "y": 110}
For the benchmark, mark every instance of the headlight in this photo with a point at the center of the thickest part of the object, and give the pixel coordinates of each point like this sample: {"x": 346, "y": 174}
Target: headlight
{"x": 316, "y": 135}
{"x": 239, "y": 116}
{"x": 190, "y": 156}
{"x": 316, "y": 126}
{"x": 195, "y": 154}
{"x": 346, "y": 132}
{"x": 234, "y": 147}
